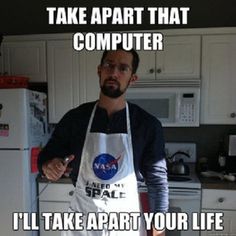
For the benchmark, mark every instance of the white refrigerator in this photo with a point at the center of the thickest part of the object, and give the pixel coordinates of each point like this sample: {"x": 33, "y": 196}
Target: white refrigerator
{"x": 23, "y": 126}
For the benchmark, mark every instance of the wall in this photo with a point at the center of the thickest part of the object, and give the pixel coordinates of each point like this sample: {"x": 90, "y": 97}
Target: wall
{"x": 206, "y": 137}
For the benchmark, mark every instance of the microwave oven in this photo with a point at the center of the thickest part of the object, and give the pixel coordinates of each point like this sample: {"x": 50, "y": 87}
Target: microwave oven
{"x": 173, "y": 106}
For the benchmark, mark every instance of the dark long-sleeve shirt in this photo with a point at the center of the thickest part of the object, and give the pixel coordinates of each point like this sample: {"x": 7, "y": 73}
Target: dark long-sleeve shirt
{"x": 147, "y": 140}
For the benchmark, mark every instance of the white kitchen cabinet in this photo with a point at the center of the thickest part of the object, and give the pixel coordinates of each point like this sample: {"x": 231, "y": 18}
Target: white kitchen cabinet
{"x": 1, "y": 61}
{"x": 180, "y": 59}
{"x": 222, "y": 201}
{"x": 55, "y": 198}
{"x": 218, "y": 98}
{"x": 63, "y": 78}
{"x": 72, "y": 77}
{"x": 91, "y": 78}
{"x": 27, "y": 58}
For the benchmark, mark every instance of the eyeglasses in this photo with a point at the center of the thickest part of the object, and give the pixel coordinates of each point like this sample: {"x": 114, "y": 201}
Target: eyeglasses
{"x": 122, "y": 68}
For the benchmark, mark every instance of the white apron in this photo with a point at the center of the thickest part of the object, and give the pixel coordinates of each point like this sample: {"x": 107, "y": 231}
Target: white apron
{"x": 106, "y": 181}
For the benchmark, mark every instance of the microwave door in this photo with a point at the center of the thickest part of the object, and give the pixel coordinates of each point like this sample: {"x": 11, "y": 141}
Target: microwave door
{"x": 162, "y": 107}
{"x": 166, "y": 108}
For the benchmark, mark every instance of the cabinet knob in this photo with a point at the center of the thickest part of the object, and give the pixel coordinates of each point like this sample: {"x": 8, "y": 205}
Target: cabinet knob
{"x": 159, "y": 70}
{"x": 71, "y": 193}
{"x": 221, "y": 199}
{"x": 233, "y": 115}
{"x": 151, "y": 71}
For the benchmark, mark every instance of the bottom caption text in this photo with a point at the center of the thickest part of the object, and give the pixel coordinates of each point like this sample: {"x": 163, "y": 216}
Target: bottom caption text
{"x": 117, "y": 221}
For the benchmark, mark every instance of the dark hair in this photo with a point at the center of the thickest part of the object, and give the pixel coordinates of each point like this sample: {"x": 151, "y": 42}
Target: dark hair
{"x": 135, "y": 61}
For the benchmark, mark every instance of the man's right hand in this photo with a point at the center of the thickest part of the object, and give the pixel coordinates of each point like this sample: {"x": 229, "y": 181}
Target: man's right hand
{"x": 55, "y": 168}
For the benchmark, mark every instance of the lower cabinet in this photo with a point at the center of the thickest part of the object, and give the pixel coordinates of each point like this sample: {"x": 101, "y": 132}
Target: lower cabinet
{"x": 54, "y": 198}
{"x": 220, "y": 201}
{"x": 229, "y": 222}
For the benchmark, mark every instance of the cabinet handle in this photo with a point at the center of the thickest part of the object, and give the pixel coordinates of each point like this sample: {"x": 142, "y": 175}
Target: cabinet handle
{"x": 233, "y": 115}
{"x": 151, "y": 71}
{"x": 159, "y": 70}
{"x": 71, "y": 193}
{"x": 221, "y": 199}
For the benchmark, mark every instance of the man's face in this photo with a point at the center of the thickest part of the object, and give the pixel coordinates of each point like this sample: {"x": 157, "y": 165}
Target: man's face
{"x": 116, "y": 73}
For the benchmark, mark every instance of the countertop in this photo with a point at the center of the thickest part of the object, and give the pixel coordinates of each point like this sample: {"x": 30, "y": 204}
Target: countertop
{"x": 63, "y": 180}
{"x": 216, "y": 183}
{"x": 207, "y": 183}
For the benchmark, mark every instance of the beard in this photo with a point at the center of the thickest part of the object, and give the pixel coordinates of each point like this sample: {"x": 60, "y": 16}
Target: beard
{"x": 112, "y": 90}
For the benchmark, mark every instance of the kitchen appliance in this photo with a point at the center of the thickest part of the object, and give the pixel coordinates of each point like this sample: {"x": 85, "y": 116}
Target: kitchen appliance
{"x": 173, "y": 106}
{"x": 184, "y": 190}
{"x": 232, "y": 145}
{"x": 23, "y": 127}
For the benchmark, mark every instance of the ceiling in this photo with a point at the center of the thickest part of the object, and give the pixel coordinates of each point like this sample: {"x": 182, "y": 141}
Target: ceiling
{"x": 31, "y": 17}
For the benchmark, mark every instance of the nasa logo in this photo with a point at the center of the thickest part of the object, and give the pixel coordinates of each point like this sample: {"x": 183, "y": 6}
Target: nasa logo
{"x": 105, "y": 166}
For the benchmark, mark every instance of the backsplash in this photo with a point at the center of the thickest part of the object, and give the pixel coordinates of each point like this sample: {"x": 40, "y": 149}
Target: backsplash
{"x": 206, "y": 137}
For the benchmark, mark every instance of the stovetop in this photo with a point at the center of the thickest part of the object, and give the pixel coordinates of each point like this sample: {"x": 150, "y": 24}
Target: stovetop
{"x": 185, "y": 181}
{"x": 190, "y": 181}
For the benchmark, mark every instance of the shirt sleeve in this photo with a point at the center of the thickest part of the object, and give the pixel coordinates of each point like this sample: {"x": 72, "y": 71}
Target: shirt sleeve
{"x": 155, "y": 169}
{"x": 58, "y": 144}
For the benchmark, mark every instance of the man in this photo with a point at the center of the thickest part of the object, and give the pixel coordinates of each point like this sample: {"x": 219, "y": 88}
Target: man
{"x": 111, "y": 144}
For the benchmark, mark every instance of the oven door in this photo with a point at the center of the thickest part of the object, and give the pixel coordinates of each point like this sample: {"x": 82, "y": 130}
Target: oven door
{"x": 187, "y": 201}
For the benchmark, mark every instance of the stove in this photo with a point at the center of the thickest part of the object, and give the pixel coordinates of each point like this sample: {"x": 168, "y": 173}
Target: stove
{"x": 189, "y": 181}
{"x": 184, "y": 190}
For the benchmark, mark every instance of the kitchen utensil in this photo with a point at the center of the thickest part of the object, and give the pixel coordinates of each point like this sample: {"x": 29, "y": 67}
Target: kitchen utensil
{"x": 178, "y": 167}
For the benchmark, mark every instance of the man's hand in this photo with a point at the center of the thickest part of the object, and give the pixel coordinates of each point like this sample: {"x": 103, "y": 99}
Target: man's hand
{"x": 55, "y": 168}
{"x": 157, "y": 232}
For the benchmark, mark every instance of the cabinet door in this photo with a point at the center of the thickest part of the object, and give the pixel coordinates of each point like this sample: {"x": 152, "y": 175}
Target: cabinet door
{"x": 147, "y": 66}
{"x": 218, "y": 80}
{"x": 63, "y": 78}
{"x": 25, "y": 59}
{"x": 90, "y": 79}
{"x": 55, "y": 197}
{"x": 1, "y": 61}
{"x": 180, "y": 59}
{"x": 51, "y": 207}
{"x": 228, "y": 223}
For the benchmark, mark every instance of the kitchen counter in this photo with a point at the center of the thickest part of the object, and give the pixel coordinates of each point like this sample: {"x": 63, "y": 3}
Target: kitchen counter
{"x": 206, "y": 183}
{"x": 63, "y": 180}
{"x": 216, "y": 183}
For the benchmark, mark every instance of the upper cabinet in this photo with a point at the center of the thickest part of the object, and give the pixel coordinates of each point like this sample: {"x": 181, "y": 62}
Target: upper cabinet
{"x": 179, "y": 60}
{"x": 218, "y": 97}
{"x": 91, "y": 78}
{"x": 63, "y": 78}
{"x": 72, "y": 77}
{"x": 27, "y": 58}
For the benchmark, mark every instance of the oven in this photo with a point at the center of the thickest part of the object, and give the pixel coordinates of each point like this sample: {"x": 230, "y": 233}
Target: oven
{"x": 187, "y": 201}
{"x": 184, "y": 190}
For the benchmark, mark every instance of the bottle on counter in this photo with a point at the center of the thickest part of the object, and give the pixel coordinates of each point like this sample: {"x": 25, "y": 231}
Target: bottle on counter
{"x": 203, "y": 164}
{"x": 221, "y": 156}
